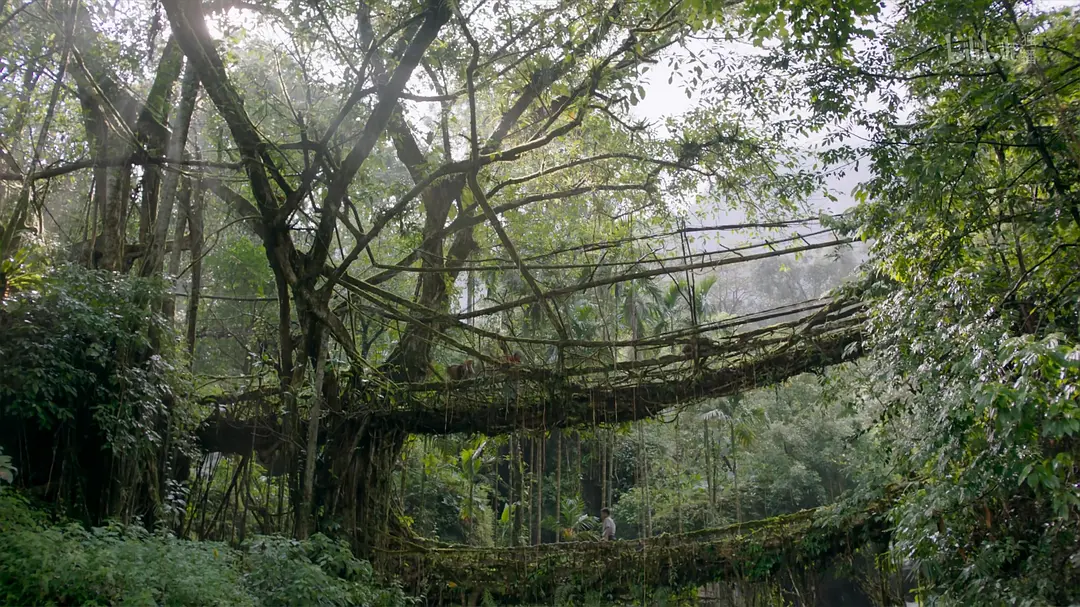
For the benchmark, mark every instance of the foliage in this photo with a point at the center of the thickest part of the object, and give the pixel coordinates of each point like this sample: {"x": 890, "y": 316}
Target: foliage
{"x": 575, "y": 524}
{"x": 240, "y": 339}
{"x": 448, "y": 489}
{"x": 49, "y": 564}
{"x": 44, "y": 564}
{"x": 973, "y": 217}
{"x": 78, "y": 345}
{"x": 992, "y": 435}
{"x": 794, "y": 449}
{"x": 968, "y": 120}
{"x": 7, "y": 470}
{"x": 810, "y": 25}
{"x": 86, "y": 398}
{"x": 20, "y": 272}
{"x": 318, "y": 571}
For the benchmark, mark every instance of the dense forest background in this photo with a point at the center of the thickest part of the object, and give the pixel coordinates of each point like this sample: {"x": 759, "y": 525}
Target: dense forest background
{"x": 293, "y": 293}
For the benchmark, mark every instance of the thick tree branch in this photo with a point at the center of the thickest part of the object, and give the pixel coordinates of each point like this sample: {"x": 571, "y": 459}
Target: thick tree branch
{"x": 436, "y": 15}
{"x": 81, "y": 165}
{"x": 189, "y": 27}
{"x": 511, "y": 250}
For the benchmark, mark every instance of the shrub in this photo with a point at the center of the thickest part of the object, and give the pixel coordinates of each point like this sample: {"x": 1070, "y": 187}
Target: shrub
{"x": 86, "y": 398}
{"x": 43, "y": 564}
{"x": 319, "y": 572}
{"x": 61, "y": 564}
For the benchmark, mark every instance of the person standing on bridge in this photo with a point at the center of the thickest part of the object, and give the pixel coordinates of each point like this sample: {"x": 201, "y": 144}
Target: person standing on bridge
{"x": 608, "y": 529}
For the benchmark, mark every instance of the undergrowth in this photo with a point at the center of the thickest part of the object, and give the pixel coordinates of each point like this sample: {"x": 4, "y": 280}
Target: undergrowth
{"x": 47, "y": 563}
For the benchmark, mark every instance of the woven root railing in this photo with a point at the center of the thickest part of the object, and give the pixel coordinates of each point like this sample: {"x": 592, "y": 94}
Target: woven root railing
{"x": 757, "y": 550}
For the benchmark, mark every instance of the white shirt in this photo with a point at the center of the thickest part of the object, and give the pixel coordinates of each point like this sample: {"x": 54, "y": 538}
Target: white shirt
{"x": 609, "y": 529}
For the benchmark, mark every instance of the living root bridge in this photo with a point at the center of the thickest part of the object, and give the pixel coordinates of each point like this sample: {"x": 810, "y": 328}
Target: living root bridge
{"x": 771, "y": 549}
{"x": 507, "y": 404}
{"x": 531, "y": 406}
{"x": 363, "y": 430}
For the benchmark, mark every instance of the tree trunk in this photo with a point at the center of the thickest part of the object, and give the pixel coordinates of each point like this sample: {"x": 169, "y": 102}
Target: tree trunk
{"x": 153, "y": 142}
{"x": 611, "y": 467}
{"x": 423, "y": 486}
{"x": 518, "y": 472}
{"x": 115, "y": 219}
{"x": 512, "y": 486}
{"x": 181, "y": 122}
{"x": 168, "y": 306}
{"x": 539, "y": 447}
{"x": 602, "y": 444}
{"x": 404, "y": 479}
{"x": 303, "y": 527}
{"x": 679, "y": 477}
{"x": 530, "y": 513}
{"x": 646, "y": 494}
{"x": 558, "y": 485}
{"x": 735, "y": 473}
{"x": 194, "y": 213}
{"x": 709, "y": 481}
{"x": 353, "y": 485}
{"x": 577, "y": 450}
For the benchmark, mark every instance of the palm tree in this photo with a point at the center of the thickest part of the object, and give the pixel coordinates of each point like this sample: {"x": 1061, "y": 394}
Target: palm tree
{"x": 740, "y": 423}
{"x": 573, "y": 524}
{"x": 677, "y": 305}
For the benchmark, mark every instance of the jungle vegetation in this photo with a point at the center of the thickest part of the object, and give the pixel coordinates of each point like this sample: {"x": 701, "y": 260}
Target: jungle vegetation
{"x": 379, "y": 302}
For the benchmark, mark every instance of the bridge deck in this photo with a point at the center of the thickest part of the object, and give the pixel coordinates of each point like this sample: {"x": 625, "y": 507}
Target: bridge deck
{"x": 752, "y": 551}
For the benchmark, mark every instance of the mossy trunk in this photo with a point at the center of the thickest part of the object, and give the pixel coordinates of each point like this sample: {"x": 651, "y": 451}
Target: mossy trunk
{"x": 354, "y": 492}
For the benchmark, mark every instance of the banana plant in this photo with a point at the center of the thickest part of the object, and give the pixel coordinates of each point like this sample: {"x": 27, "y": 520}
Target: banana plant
{"x": 470, "y": 464}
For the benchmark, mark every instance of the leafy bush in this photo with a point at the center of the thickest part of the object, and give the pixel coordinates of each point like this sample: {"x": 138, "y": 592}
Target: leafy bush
{"x": 59, "y": 564}
{"x": 43, "y": 564}
{"x": 80, "y": 340}
{"x": 85, "y": 395}
{"x": 319, "y": 571}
